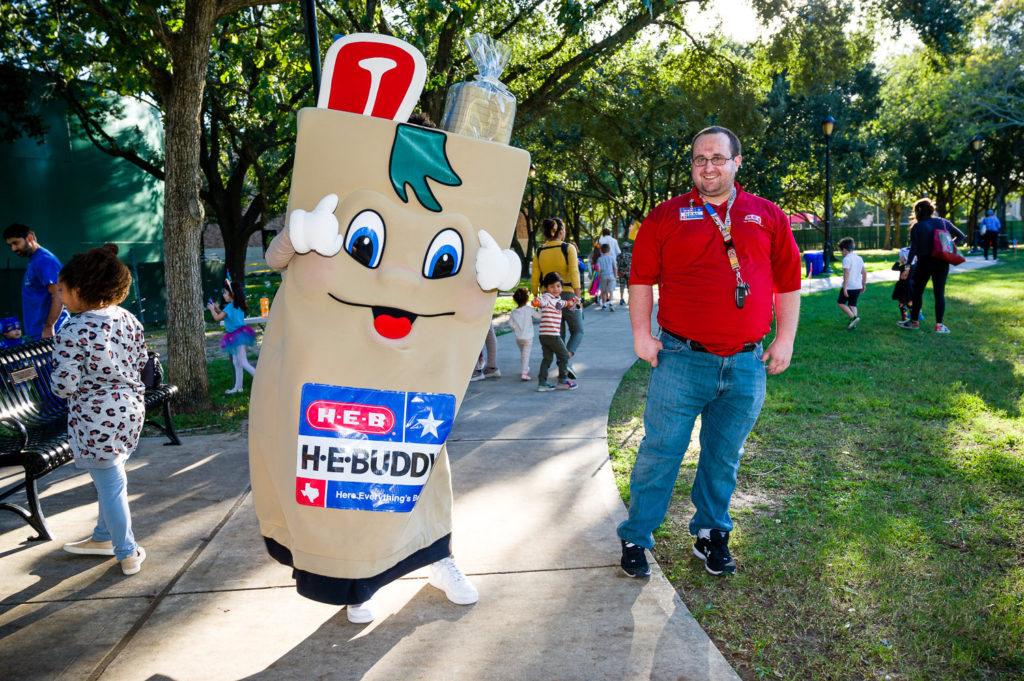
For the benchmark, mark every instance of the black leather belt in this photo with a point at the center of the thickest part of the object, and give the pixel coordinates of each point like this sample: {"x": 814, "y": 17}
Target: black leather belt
{"x": 697, "y": 347}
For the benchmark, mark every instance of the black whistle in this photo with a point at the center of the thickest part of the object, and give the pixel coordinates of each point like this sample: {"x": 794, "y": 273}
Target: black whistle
{"x": 741, "y": 294}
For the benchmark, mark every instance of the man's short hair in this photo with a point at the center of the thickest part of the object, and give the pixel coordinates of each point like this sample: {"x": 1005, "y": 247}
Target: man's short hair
{"x": 846, "y": 243}
{"x": 606, "y": 232}
{"x": 734, "y": 141}
{"x": 16, "y": 230}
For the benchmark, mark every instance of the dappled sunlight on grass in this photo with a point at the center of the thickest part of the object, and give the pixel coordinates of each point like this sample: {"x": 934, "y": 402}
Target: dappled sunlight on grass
{"x": 891, "y": 465}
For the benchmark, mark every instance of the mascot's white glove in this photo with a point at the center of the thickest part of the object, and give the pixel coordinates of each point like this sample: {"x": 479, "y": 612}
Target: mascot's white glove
{"x": 496, "y": 268}
{"x": 316, "y": 231}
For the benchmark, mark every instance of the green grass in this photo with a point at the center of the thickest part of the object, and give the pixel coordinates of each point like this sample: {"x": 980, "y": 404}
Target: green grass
{"x": 229, "y": 411}
{"x": 880, "y": 506}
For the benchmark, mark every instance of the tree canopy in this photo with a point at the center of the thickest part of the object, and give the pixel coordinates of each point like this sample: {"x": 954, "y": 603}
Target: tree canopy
{"x": 608, "y": 96}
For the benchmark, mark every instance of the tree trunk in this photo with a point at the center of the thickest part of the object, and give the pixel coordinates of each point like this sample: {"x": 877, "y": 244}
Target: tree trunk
{"x": 183, "y": 211}
{"x": 234, "y": 252}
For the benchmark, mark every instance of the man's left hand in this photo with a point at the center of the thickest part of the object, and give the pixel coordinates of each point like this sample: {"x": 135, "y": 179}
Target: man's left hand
{"x": 777, "y": 357}
{"x": 47, "y": 332}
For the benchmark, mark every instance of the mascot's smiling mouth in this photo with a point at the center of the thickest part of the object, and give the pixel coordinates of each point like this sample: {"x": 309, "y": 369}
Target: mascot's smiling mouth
{"x": 391, "y": 322}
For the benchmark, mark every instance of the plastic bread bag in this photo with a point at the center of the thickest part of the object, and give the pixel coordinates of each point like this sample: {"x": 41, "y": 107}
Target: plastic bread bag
{"x": 482, "y": 108}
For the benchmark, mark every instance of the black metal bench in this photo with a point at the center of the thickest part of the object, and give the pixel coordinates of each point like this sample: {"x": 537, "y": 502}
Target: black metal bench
{"x": 33, "y": 424}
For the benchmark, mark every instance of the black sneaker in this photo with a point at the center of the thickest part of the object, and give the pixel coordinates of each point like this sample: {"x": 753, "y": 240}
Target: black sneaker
{"x": 712, "y": 546}
{"x": 569, "y": 372}
{"x": 634, "y": 560}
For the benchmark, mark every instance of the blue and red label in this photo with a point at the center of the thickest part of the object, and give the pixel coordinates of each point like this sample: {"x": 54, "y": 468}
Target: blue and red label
{"x": 368, "y": 450}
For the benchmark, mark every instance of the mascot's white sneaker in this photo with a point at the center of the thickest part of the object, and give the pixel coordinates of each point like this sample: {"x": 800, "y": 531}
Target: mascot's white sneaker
{"x": 446, "y": 576}
{"x": 360, "y": 613}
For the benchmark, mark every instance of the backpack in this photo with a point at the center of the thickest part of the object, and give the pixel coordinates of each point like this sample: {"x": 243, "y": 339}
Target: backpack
{"x": 565, "y": 254}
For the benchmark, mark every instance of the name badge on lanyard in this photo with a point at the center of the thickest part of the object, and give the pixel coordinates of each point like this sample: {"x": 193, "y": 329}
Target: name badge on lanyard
{"x": 691, "y": 213}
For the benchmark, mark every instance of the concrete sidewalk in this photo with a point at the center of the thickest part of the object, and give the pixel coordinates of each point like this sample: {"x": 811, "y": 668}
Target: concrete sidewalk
{"x": 535, "y": 515}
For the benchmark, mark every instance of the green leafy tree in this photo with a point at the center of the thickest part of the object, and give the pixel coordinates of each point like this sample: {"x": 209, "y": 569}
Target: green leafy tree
{"x": 160, "y": 52}
{"x": 623, "y": 135}
{"x": 989, "y": 91}
{"x": 554, "y": 45}
{"x": 258, "y": 76}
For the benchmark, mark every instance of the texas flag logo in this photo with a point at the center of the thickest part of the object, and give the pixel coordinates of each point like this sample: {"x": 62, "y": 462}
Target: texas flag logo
{"x": 309, "y": 492}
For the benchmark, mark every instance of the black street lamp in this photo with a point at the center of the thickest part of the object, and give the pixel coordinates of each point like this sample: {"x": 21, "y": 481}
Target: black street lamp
{"x": 308, "y": 9}
{"x": 827, "y": 126}
{"x": 977, "y": 142}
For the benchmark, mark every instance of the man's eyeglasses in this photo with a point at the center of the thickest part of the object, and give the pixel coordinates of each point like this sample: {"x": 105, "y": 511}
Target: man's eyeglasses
{"x": 700, "y": 161}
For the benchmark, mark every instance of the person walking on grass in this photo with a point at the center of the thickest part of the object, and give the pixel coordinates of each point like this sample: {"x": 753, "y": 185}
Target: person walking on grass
{"x": 722, "y": 259}
{"x": 989, "y": 229}
{"x": 855, "y": 280}
{"x": 922, "y": 238}
{"x": 551, "y": 305}
{"x": 238, "y": 335}
{"x": 98, "y": 358}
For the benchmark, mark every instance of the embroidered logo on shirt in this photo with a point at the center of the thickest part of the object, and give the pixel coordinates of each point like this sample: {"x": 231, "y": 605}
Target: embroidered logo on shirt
{"x": 753, "y": 218}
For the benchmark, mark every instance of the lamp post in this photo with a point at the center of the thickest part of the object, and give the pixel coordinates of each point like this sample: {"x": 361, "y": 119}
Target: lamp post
{"x": 828, "y": 124}
{"x": 976, "y": 143}
{"x": 531, "y": 231}
{"x": 308, "y": 9}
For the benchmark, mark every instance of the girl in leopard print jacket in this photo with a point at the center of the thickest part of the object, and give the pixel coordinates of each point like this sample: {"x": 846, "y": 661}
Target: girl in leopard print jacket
{"x": 98, "y": 356}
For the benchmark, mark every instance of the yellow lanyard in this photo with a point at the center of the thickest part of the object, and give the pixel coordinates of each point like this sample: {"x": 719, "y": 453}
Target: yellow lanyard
{"x": 742, "y": 288}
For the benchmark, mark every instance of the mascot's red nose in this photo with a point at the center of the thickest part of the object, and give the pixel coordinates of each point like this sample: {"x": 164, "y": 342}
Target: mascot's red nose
{"x": 392, "y": 327}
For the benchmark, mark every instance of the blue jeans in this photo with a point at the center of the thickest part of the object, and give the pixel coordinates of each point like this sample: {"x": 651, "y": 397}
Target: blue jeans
{"x": 727, "y": 393}
{"x": 571, "y": 319}
{"x": 115, "y": 520}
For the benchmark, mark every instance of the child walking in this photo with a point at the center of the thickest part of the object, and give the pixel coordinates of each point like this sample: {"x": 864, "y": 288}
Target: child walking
{"x": 521, "y": 321}
{"x": 608, "y": 272}
{"x": 239, "y": 335}
{"x": 551, "y": 343}
{"x": 98, "y": 356}
{"x": 855, "y": 280}
{"x": 903, "y": 292}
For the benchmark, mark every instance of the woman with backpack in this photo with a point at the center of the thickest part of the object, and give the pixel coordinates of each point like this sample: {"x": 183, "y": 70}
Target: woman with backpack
{"x": 922, "y": 240}
{"x": 555, "y": 255}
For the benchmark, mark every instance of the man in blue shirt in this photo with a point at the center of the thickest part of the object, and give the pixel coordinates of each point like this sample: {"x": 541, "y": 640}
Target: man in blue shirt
{"x": 990, "y": 234}
{"x": 41, "y": 305}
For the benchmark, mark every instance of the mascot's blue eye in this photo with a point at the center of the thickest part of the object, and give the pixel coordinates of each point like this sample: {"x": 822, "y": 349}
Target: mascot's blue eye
{"x": 444, "y": 256}
{"x": 364, "y": 239}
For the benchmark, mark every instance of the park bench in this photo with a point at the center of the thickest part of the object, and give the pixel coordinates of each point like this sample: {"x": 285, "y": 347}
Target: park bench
{"x": 33, "y": 424}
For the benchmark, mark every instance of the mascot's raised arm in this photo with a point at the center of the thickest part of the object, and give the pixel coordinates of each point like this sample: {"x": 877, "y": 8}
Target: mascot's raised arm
{"x": 391, "y": 264}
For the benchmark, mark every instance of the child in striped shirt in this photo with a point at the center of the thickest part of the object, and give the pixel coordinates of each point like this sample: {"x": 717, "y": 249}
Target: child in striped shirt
{"x": 551, "y": 304}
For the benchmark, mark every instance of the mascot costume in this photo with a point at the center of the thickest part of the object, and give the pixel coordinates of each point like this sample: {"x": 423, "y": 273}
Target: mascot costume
{"x": 391, "y": 265}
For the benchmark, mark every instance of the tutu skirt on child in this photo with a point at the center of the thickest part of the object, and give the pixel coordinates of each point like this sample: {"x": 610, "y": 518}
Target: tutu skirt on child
{"x": 244, "y": 336}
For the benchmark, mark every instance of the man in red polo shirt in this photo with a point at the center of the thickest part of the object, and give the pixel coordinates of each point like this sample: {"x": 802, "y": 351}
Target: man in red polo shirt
{"x": 722, "y": 259}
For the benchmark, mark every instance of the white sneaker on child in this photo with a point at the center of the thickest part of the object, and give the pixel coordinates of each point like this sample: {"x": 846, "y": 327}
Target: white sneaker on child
{"x": 446, "y": 576}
